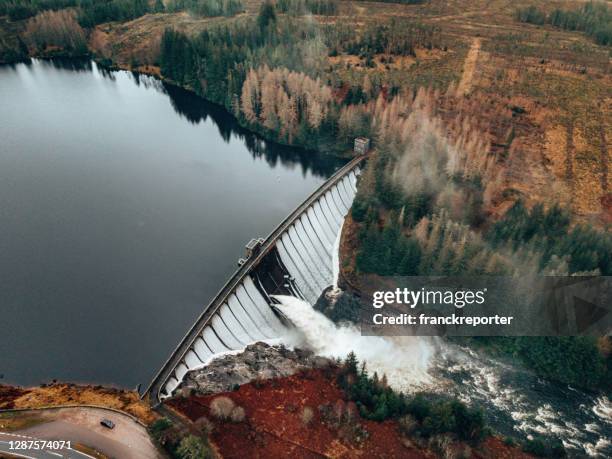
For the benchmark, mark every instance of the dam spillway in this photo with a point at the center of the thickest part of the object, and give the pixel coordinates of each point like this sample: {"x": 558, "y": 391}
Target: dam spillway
{"x": 295, "y": 259}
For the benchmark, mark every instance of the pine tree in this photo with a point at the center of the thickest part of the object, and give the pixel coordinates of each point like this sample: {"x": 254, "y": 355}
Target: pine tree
{"x": 267, "y": 16}
{"x": 351, "y": 363}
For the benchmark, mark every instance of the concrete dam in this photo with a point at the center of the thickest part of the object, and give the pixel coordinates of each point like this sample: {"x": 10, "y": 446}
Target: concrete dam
{"x": 296, "y": 259}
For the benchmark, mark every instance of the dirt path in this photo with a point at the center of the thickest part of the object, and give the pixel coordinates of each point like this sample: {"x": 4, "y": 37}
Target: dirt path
{"x": 569, "y": 159}
{"x": 469, "y": 67}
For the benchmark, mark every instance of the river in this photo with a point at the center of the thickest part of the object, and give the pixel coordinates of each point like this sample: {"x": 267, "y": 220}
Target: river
{"x": 125, "y": 204}
{"x": 515, "y": 402}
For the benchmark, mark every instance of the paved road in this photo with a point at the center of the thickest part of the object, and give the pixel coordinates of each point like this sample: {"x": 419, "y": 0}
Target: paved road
{"x": 128, "y": 440}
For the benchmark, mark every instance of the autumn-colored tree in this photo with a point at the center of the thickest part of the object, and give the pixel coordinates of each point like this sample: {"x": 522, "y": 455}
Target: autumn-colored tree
{"x": 56, "y": 29}
{"x": 284, "y": 101}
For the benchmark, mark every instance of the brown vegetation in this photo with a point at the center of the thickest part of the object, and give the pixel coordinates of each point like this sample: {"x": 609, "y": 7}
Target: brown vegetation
{"x": 276, "y": 425}
{"x": 237, "y": 414}
{"x": 279, "y": 99}
{"x": 224, "y": 409}
{"x": 11, "y": 423}
{"x": 70, "y": 394}
{"x": 221, "y": 408}
{"x": 544, "y": 93}
{"x": 50, "y": 30}
{"x": 276, "y": 422}
{"x": 307, "y": 415}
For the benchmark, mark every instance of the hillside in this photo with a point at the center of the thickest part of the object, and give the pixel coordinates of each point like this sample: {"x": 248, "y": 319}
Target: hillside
{"x": 538, "y": 95}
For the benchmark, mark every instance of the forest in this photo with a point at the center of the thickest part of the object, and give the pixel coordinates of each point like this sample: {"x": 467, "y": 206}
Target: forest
{"x": 593, "y": 18}
{"x": 420, "y": 210}
{"x": 377, "y": 401}
{"x": 206, "y": 8}
{"x": 23, "y": 9}
{"x": 422, "y": 200}
{"x": 426, "y": 192}
{"x": 91, "y": 12}
{"x": 270, "y": 72}
{"x": 302, "y": 7}
{"x": 421, "y": 416}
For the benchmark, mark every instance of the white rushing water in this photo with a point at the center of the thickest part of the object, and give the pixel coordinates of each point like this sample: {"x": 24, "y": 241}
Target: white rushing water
{"x": 516, "y": 402}
{"x": 336, "y": 258}
{"x": 603, "y": 409}
{"x": 405, "y": 360}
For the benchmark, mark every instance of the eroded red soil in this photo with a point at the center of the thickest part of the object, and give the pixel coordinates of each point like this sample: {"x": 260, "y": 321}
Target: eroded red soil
{"x": 274, "y": 428}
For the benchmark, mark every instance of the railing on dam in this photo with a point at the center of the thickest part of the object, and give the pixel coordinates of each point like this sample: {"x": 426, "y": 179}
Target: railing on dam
{"x": 294, "y": 259}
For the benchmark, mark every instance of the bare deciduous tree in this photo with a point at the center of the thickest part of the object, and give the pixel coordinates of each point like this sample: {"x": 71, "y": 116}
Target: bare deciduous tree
{"x": 58, "y": 29}
{"x": 282, "y": 100}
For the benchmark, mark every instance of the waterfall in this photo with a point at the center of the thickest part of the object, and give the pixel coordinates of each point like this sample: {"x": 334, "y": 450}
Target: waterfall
{"x": 336, "y": 258}
{"x": 405, "y": 360}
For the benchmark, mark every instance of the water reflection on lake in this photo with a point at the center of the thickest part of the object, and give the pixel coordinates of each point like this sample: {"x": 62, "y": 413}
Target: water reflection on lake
{"x": 125, "y": 204}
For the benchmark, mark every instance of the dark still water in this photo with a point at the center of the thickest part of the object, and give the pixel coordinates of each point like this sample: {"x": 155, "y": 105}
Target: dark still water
{"x": 124, "y": 206}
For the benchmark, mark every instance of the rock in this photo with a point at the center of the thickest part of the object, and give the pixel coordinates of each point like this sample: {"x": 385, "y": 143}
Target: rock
{"x": 258, "y": 361}
{"x": 303, "y": 353}
{"x": 321, "y": 362}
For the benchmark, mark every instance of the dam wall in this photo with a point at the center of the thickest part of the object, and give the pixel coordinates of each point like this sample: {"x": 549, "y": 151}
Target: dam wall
{"x": 295, "y": 259}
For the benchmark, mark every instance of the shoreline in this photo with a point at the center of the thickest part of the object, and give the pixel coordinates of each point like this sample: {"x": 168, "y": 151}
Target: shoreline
{"x": 155, "y": 72}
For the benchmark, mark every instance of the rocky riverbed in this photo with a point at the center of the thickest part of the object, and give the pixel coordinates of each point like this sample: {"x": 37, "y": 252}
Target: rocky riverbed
{"x": 259, "y": 361}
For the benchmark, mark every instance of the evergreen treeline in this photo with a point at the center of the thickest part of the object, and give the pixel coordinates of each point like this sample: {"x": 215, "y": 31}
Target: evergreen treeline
{"x": 266, "y": 71}
{"x": 593, "y": 18}
{"x": 207, "y": 8}
{"x": 93, "y": 12}
{"x": 573, "y": 360}
{"x": 231, "y": 65}
{"x": 377, "y": 401}
{"x": 23, "y": 9}
{"x": 549, "y": 232}
{"x": 387, "y": 252}
{"x": 12, "y": 51}
{"x": 301, "y": 7}
{"x": 403, "y": 2}
{"x": 385, "y": 249}
{"x": 399, "y": 37}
